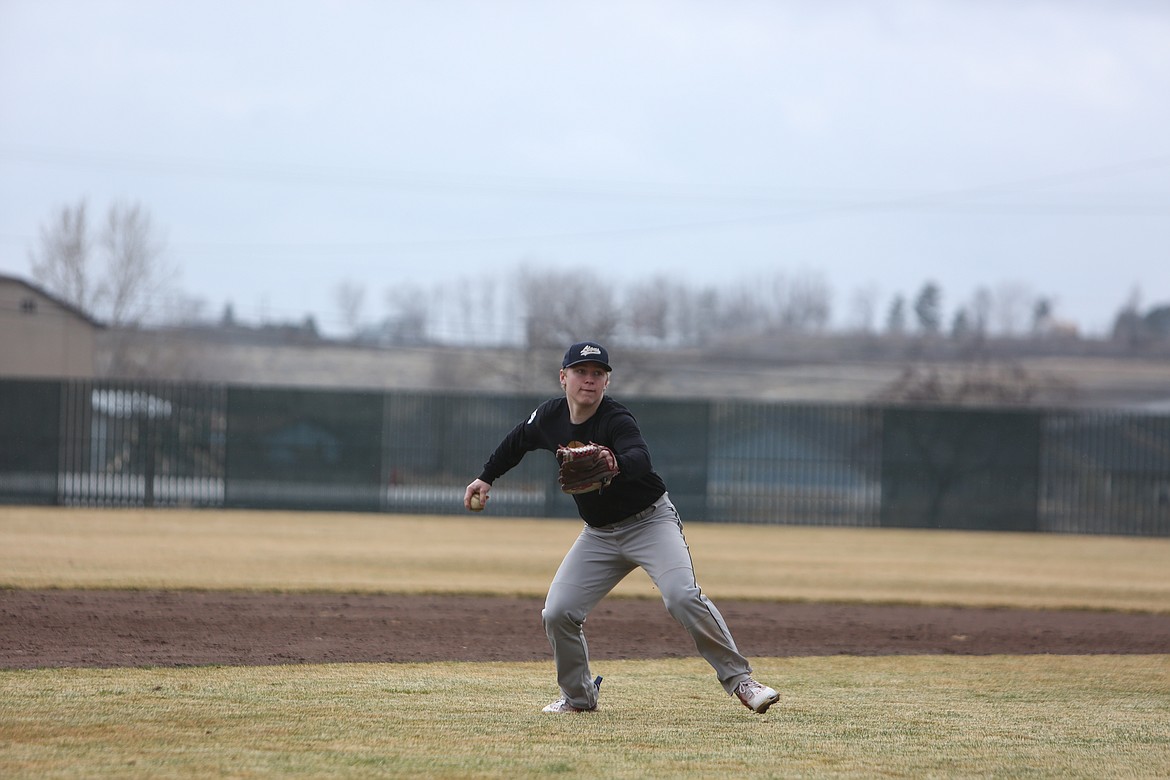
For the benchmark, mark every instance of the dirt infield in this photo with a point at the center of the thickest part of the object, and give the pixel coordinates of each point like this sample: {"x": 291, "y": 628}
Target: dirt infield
{"x": 63, "y": 628}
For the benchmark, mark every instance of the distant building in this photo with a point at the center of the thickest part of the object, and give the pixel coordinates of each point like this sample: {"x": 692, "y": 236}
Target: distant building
{"x": 41, "y": 335}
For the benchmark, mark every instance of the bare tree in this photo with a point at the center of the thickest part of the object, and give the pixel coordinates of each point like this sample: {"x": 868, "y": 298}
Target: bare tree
{"x": 740, "y": 309}
{"x": 562, "y": 307}
{"x": 63, "y": 261}
{"x": 803, "y": 303}
{"x": 896, "y": 317}
{"x": 1011, "y": 306}
{"x": 483, "y": 307}
{"x": 648, "y": 307}
{"x": 762, "y": 304}
{"x": 407, "y": 321}
{"x": 706, "y": 300}
{"x": 686, "y": 310}
{"x": 350, "y": 299}
{"x": 135, "y": 274}
{"x": 864, "y": 305}
{"x": 981, "y": 312}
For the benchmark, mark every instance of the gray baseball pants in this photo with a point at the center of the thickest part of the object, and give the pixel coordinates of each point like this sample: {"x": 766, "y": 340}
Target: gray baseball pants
{"x": 597, "y": 562}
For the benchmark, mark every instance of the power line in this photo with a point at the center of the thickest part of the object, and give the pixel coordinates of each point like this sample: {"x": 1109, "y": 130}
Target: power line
{"x": 285, "y": 173}
{"x": 804, "y": 205}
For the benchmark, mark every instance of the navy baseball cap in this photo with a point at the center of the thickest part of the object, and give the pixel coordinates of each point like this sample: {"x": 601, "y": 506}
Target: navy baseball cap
{"x": 586, "y": 352}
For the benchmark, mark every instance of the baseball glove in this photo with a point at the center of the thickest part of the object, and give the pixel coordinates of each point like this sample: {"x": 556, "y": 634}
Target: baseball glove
{"x": 585, "y": 467}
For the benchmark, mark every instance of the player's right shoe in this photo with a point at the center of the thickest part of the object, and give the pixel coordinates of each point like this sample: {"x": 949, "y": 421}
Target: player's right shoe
{"x": 562, "y": 704}
{"x": 756, "y": 697}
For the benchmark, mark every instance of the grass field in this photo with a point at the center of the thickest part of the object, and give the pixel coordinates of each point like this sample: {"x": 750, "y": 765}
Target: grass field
{"x": 1034, "y": 716}
{"x": 894, "y": 716}
{"x": 284, "y": 551}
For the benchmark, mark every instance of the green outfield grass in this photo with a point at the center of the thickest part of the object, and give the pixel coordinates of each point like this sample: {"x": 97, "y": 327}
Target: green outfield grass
{"x": 288, "y": 551}
{"x": 904, "y": 717}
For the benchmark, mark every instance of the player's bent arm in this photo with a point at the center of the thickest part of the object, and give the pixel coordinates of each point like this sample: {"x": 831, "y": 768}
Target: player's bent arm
{"x": 633, "y": 456}
{"x": 507, "y": 455}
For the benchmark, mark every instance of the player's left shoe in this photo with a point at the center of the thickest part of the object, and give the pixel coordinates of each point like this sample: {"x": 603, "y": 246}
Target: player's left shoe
{"x": 756, "y": 697}
{"x": 562, "y": 704}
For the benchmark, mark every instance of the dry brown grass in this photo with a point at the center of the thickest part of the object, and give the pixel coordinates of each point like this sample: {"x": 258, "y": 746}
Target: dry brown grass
{"x": 899, "y": 717}
{"x": 292, "y": 551}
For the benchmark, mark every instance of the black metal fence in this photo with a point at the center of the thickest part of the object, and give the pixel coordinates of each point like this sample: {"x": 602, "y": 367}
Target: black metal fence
{"x": 166, "y": 444}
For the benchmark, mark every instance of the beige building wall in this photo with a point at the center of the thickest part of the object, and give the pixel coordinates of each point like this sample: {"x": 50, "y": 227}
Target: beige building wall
{"x": 41, "y": 336}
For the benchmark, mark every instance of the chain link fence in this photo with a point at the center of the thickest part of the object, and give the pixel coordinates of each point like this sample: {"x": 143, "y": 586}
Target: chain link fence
{"x": 85, "y": 443}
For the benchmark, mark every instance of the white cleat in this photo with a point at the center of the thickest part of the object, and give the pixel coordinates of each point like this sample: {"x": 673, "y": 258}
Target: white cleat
{"x": 756, "y": 697}
{"x": 562, "y": 704}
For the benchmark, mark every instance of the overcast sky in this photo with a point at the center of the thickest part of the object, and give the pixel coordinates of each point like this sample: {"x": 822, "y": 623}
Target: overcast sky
{"x": 285, "y": 147}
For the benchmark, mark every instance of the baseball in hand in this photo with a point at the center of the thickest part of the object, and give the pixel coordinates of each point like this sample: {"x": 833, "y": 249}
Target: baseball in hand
{"x": 475, "y": 502}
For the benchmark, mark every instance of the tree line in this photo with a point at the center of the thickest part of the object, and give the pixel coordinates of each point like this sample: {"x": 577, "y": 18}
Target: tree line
{"x": 118, "y": 270}
{"x": 113, "y": 270}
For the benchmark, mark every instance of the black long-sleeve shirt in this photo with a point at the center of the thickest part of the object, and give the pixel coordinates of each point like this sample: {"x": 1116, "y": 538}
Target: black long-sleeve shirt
{"x": 613, "y": 425}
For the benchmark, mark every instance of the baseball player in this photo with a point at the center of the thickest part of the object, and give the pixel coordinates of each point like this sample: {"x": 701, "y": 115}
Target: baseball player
{"x": 629, "y": 522}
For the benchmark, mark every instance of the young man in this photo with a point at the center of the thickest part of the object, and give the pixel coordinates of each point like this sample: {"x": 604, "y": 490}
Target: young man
{"x": 629, "y": 522}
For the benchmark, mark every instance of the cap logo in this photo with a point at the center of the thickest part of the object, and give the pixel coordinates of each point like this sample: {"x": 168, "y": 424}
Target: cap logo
{"x": 589, "y": 349}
